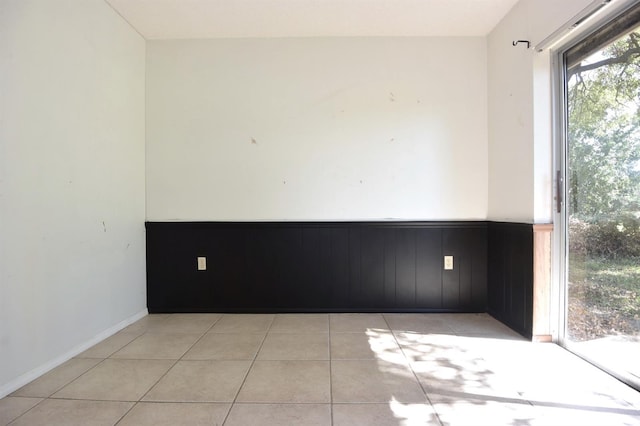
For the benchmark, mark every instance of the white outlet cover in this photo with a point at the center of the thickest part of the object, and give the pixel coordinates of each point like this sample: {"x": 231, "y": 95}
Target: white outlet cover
{"x": 202, "y": 263}
{"x": 448, "y": 263}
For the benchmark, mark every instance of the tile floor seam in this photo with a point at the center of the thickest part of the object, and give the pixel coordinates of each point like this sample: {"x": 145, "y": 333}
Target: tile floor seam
{"x": 50, "y": 396}
{"x": 207, "y": 330}
{"x": 299, "y": 334}
{"x": 244, "y": 379}
{"x": 16, "y": 419}
{"x": 426, "y": 395}
{"x": 112, "y": 353}
{"x": 151, "y": 359}
{"x": 72, "y": 399}
{"x": 125, "y": 414}
{"x": 173, "y": 365}
{"x": 176, "y": 362}
{"x": 93, "y": 400}
{"x": 272, "y": 403}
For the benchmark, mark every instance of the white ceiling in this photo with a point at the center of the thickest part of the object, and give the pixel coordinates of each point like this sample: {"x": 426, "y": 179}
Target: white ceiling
{"x": 179, "y": 19}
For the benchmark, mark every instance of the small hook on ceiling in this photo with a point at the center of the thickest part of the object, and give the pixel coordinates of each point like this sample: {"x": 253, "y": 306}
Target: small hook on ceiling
{"x": 517, "y": 42}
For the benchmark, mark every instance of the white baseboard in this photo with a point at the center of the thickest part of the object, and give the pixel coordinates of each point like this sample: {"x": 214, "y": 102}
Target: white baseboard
{"x": 19, "y": 382}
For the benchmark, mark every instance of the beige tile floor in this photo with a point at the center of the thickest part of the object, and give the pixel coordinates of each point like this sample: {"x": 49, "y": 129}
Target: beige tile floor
{"x": 322, "y": 369}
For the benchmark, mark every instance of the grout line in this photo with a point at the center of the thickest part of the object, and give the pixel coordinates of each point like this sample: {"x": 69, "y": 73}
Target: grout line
{"x": 102, "y": 360}
{"x": 193, "y": 402}
{"x": 117, "y": 350}
{"x": 94, "y": 400}
{"x": 413, "y": 372}
{"x": 148, "y": 390}
{"x": 173, "y": 365}
{"x": 170, "y": 368}
{"x": 215, "y": 322}
{"x": 16, "y": 419}
{"x": 122, "y": 347}
{"x": 255, "y": 357}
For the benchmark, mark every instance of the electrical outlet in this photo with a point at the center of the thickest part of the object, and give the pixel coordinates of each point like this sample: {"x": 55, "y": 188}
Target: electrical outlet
{"x": 202, "y": 263}
{"x": 448, "y": 263}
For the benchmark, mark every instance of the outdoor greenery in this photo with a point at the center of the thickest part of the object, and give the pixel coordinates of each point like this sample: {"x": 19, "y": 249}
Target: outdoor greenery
{"x": 617, "y": 237}
{"x": 604, "y": 191}
{"x": 605, "y": 297}
{"x": 605, "y": 159}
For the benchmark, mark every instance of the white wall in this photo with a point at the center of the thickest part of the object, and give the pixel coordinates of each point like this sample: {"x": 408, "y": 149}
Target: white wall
{"x": 317, "y": 129}
{"x": 71, "y": 180}
{"x": 520, "y": 137}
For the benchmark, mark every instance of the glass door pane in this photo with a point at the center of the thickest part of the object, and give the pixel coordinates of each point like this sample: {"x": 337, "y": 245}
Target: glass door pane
{"x": 603, "y": 205}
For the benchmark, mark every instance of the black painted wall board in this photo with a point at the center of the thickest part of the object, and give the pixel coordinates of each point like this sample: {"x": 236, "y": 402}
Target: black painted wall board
{"x": 479, "y": 249}
{"x": 405, "y": 246}
{"x": 470, "y": 259}
{"x": 355, "y": 272}
{"x": 389, "y": 252}
{"x": 315, "y": 267}
{"x": 429, "y": 269}
{"x": 338, "y": 267}
{"x": 324, "y": 258}
{"x": 510, "y": 271}
{"x": 309, "y": 289}
{"x": 288, "y": 250}
{"x": 496, "y": 260}
{"x": 372, "y": 268}
{"x": 465, "y": 276}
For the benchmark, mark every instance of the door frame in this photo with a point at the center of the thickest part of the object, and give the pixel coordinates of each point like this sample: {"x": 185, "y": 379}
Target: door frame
{"x": 559, "y": 285}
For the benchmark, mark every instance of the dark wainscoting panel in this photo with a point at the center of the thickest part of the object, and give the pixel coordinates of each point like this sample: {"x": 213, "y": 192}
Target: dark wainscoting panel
{"x": 316, "y": 267}
{"x": 510, "y": 286}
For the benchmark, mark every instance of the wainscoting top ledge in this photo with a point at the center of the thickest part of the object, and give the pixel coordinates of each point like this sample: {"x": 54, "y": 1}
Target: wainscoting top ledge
{"x": 321, "y": 224}
{"x": 543, "y": 227}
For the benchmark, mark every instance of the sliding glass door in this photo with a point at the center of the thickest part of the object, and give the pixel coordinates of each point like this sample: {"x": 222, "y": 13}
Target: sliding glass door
{"x": 602, "y": 205}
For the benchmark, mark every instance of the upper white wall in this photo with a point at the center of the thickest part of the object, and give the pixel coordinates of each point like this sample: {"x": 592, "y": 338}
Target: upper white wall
{"x": 317, "y": 129}
{"x": 72, "y": 261}
{"x": 520, "y": 132}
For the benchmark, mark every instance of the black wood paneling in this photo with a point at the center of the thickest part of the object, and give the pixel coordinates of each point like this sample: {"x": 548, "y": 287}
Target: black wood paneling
{"x": 510, "y": 285}
{"x": 316, "y": 266}
{"x": 430, "y": 263}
